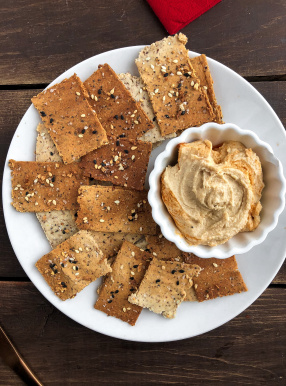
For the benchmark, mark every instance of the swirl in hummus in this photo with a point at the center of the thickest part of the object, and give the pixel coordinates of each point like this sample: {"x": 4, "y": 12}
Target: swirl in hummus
{"x": 213, "y": 194}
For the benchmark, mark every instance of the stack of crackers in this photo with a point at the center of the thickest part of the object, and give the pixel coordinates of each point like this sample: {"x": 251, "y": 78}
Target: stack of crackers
{"x": 87, "y": 184}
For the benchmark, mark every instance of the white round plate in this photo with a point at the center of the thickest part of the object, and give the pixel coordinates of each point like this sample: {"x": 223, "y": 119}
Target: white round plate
{"x": 242, "y": 105}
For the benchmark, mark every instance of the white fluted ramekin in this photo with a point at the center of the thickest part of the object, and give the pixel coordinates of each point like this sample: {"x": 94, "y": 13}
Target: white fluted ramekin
{"x": 272, "y": 200}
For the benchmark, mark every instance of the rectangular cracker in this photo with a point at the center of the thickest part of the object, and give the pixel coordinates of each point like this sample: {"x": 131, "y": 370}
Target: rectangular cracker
{"x": 201, "y": 67}
{"x": 114, "y": 209}
{"x": 72, "y": 265}
{"x": 120, "y": 115}
{"x": 45, "y": 186}
{"x": 219, "y": 277}
{"x": 137, "y": 89}
{"x": 164, "y": 286}
{"x": 127, "y": 272}
{"x": 69, "y": 119}
{"x": 121, "y": 162}
{"x": 177, "y": 98}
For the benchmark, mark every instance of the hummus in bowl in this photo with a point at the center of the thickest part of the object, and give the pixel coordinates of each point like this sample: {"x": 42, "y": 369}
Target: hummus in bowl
{"x": 216, "y": 190}
{"x": 213, "y": 194}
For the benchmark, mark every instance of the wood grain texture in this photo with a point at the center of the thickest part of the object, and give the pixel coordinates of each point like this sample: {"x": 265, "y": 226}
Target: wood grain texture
{"x": 40, "y": 39}
{"x": 13, "y": 105}
{"x": 246, "y": 351}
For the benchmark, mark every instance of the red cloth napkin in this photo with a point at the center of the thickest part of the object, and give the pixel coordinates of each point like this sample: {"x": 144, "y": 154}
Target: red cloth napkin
{"x": 176, "y": 14}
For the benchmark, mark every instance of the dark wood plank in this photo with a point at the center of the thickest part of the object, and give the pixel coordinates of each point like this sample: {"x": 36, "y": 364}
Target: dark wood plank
{"x": 248, "y": 350}
{"x": 41, "y": 39}
{"x": 14, "y": 104}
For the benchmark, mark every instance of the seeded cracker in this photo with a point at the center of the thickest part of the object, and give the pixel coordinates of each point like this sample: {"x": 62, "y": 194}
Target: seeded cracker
{"x": 175, "y": 93}
{"x": 46, "y": 150}
{"x": 200, "y": 65}
{"x": 114, "y": 209}
{"x": 219, "y": 277}
{"x": 121, "y": 162}
{"x": 164, "y": 286}
{"x": 163, "y": 248}
{"x": 120, "y": 115}
{"x": 45, "y": 186}
{"x": 135, "y": 85}
{"x": 73, "y": 265}
{"x": 71, "y": 122}
{"x": 127, "y": 272}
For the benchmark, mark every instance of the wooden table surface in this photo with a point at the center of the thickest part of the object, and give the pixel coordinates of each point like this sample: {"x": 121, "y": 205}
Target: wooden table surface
{"x": 38, "y": 41}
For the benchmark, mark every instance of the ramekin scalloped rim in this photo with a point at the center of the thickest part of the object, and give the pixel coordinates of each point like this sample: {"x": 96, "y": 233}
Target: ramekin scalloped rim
{"x": 273, "y": 194}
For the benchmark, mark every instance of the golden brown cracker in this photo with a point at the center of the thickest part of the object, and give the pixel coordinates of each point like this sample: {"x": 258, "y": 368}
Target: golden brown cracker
{"x": 162, "y": 248}
{"x": 114, "y": 209}
{"x": 201, "y": 67}
{"x": 72, "y": 265}
{"x": 120, "y": 115}
{"x": 218, "y": 277}
{"x": 121, "y": 162}
{"x": 164, "y": 286}
{"x": 127, "y": 272}
{"x": 69, "y": 119}
{"x": 177, "y": 98}
{"x": 45, "y": 186}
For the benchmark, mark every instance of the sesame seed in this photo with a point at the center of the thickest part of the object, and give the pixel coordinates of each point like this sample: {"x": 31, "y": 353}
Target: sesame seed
{"x": 36, "y": 203}
{"x": 82, "y": 115}
{"x": 205, "y": 87}
{"x": 148, "y": 59}
{"x": 133, "y": 157}
{"x": 80, "y": 135}
{"x": 78, "y": 93}
{"x": 192, "y": 83}
{"x": 101, "y": 220}
{"x": 175, "y": 61}
{"x": 157, "y": 90}
{"x": 152, "y": 66}
{"x": 132, "y": 253}
{"x": 136, "y": 122}
{"x": 117, "y": 202}
{"x": 54, "y": 202}
{"x": 133, "y": 147}
{"x": 112, "y": 91}
{"x": 215, "y": 265}
{"x": 170, "y": 95}
{"x": 179, "y": 73}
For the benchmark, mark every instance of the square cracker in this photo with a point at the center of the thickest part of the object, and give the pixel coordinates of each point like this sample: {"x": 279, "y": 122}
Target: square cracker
{"x": 177, "y": 98}
{"x": 120, "y": 115}
{"x": 164, "y": 286}
{"x": 114, "y": 209}
{"x": 70, "y": 120}
{"x": 72, "y": 265}
{"x": 121, "y": 162}
{"x": 137, "y": 88}
{"x": 45, "y": 186}
{"x": 201, "y": 67}
{"x": 219, "y": 277}
{"x": 127, "y": 272}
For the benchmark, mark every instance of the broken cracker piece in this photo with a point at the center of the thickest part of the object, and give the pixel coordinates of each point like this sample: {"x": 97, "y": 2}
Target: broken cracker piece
{"x": 177, "y": 98}
{"x": 46, "y": 150}
{"x": 121, "y": 162}
{"x": 58, "y": 225}
{"x": 127, "y": 272}
{"x": 201, "y": 67}
{"x": 219, "y": 277}
{"x": 72, "y": 265}
{"x": 45, "y": 186}
{"x": 114, "y": 209}
{"x": 120, "y": 115}
{"x": 164, "y": 286}
{"x": 69, "y": 119}
{"x": 163, "y": 248}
